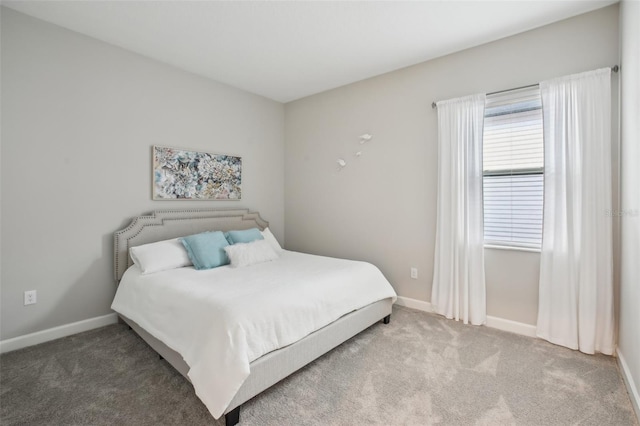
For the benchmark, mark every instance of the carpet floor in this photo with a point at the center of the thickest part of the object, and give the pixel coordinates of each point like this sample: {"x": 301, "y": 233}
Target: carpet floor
{"x": 420, "y": 369}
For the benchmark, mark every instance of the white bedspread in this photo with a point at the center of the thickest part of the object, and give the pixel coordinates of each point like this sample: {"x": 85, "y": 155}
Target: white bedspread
{"x": 222, "y": 319}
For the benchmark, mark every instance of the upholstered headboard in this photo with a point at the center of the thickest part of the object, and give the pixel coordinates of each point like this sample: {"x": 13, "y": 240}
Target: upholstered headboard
{"x": 166, "y": 224}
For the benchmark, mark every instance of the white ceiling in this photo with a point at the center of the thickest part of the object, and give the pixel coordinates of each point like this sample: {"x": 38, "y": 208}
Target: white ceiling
{"x": 289, "y": 50}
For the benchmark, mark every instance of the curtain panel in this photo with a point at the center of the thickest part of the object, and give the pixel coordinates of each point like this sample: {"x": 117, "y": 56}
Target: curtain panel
{"x": 576, "y": 266}
{"x": 458, "y": 290}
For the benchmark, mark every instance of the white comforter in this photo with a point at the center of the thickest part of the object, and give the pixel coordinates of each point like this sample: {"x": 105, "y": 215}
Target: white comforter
{"x": 222, "y": 319}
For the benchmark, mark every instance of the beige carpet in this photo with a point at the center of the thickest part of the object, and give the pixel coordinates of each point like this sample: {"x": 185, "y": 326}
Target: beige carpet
{"x": 419, "y": 370}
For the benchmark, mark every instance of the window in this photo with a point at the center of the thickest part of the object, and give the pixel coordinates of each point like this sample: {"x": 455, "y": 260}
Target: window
{"x": 513, "y": 167}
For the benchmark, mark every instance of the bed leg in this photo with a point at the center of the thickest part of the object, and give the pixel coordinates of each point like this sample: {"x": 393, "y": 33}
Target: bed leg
{"x": 232, "y": 418}
{"x": 387, "y": 319}
{"x": 160, "y": 357}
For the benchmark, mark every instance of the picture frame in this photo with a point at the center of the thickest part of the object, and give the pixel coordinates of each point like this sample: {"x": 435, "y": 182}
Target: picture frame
{"x": 181, "y": 174}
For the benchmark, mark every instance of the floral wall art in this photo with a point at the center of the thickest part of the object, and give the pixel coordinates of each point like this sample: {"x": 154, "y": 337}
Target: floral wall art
{"x": 179, "y": 174}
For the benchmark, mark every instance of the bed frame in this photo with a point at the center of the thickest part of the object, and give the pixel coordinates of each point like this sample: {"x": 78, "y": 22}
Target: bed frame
{"x": 270, "y": 368}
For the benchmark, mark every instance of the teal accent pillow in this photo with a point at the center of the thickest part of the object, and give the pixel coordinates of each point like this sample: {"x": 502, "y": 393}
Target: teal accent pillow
{"x": 246, "y": 236}
{"x": 206, "y": 250}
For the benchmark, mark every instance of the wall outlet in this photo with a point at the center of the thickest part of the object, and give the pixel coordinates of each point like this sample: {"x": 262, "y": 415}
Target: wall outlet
{"x": 414, "y": 273}
{"x": 30, "y": 297}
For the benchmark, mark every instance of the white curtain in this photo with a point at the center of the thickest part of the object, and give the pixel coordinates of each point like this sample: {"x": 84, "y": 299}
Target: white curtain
{"x": 458, "y": 290}
{"x": 576, "y": 267}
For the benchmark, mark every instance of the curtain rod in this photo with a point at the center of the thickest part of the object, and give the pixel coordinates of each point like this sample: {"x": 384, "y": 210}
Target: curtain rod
{"x": 614, "y": 68}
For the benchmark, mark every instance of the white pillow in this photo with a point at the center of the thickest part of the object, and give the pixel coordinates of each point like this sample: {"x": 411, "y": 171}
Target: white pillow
{"x": 160, "y": 256}
{"x": 272, "y": 240}
{"x": 246, "y": 254}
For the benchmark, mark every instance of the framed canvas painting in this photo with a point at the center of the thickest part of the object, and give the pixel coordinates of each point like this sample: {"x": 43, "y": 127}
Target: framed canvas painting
{"x": 179, "y": 174}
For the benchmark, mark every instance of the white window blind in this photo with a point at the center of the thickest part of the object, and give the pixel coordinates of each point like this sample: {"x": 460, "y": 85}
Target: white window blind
{"x": 513, "y": 167}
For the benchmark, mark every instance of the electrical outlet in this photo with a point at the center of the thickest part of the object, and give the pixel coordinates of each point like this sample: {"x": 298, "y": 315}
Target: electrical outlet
{"x": 414, "y": 273}
{"x": 30, "y": 297}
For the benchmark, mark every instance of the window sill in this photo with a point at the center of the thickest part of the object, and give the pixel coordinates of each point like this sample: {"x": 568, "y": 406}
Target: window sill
{"x": 498, "y": 247}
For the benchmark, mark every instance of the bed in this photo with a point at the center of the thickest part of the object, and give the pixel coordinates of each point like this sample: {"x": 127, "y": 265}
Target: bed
{"x": 268, "y": 364}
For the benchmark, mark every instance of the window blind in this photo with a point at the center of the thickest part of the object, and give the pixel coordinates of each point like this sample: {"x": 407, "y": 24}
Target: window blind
{"x": 513, "y": 167}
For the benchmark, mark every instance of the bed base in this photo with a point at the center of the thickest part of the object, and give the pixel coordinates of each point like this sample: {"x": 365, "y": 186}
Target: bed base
{"x": 269, "y": 369}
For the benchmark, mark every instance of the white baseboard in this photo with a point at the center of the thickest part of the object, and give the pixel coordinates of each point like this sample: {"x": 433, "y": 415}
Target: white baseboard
{"x": 511, "y": 326}
{"x": 632, "y": 388}
{"x": 56, "y": 332}
{"x": 493, "y": 322}
{"x": 414, "y": 304}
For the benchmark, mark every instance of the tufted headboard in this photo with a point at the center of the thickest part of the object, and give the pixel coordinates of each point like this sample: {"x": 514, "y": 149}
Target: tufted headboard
{"x": 166, "y": 224}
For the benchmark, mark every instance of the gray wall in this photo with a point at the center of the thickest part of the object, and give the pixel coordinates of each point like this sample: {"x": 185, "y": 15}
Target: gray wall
{"x": 629, "y": 335}
{"x": 79, "y": 119}
{"x": 381, "y": 206}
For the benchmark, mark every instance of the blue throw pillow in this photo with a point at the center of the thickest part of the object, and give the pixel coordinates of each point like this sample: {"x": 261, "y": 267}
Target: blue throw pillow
{"x": 206, "y": 250}
{"x": 246, "y": 236}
